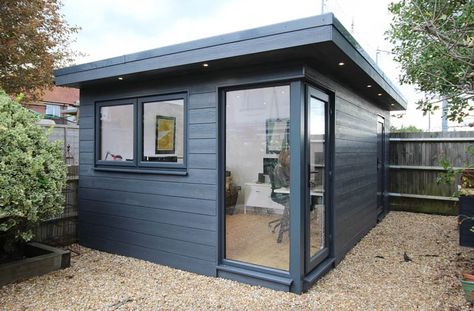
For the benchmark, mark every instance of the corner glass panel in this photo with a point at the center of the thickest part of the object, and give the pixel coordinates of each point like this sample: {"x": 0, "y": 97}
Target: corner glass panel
{"x": 116, "y": 133}
{"x": 163, "y": 131}
{"x": 257, "y": 197}
{"x": 317, "y": 136}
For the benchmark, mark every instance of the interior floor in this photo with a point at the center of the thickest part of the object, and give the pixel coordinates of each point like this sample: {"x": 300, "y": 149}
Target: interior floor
{"x": 250, "y": 239}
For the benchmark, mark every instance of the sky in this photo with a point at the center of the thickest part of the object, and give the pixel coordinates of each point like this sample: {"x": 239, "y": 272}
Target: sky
{"x": 116, "y": 27}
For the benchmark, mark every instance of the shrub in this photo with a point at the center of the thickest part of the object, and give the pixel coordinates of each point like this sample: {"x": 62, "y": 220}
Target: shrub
{"x": 32, "y": 174}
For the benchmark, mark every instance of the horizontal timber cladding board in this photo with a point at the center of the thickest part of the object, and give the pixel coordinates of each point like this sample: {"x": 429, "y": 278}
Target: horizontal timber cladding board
{"x": 343, "y": 118}
{"x": 344, "y": 188}
{"x": 348, "y": 228}
{"x": 183, "y": 248}
{"x": 362, "y": 111}
{"x": 174, "y": 189}
{"x": 86, "y": 110}
{"x": 350, "y": 240}
{"x": 204, "y": 130}
{"x": 348, "y": 159}
{"x": 346, "y": 131}
{"x": 169, "y": 259}
{"x": 350, "y": 223}
{"x": 355, "y": 201}
{"x": 421, "y": 182}
{"x": 198, "y": 116}
{"x": 203, "y": 100}
{"x": 355, "y": 168}
{"x": 185, "y": 220}
{"x": 187, "y": 205}
{"x": 202, "y": 161}
{"x": 86, "y": 134}
{"x": 151, "y": 227}
{"x": 203, "y": 146}
{"x": 195, "y": 176}
{"x": 355, "y": 176}
{"x": 86, "y": 158}
{"x": 87, "y": 146}
{"x": 87, "y": 122}
{"x": 349, "y": 214}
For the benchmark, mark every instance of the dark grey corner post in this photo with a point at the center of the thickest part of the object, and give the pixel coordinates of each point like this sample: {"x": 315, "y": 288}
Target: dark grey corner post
{"x": 297, "y": 186}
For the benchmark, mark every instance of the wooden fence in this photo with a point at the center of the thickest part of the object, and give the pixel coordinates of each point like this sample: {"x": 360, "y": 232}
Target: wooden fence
{"x": 415, "y": 165}
{"x": 62, "y": 230}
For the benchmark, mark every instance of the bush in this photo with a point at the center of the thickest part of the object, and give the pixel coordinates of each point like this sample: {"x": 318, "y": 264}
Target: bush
{"x": 32, "y": 174}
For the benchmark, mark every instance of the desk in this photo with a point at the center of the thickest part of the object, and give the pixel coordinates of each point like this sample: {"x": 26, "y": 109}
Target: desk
{"x": 315, "y": 192}
{"x": 259, "y": 195}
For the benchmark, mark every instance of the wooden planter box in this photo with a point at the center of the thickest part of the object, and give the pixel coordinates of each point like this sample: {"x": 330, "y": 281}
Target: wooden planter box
{"x": 41, "y": 259}
{"x": 466, "y": 209}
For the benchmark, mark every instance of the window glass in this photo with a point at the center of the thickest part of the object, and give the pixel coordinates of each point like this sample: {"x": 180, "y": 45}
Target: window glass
{"x": 317, "y": 136}
{"x": 53, "y": 110}
{"x": 257, "y": 189}
{"x": 116, "y": 133}
{"x": 163, "y": 131}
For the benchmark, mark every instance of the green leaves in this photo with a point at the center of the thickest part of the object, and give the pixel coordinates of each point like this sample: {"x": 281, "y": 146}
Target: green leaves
{"x": 34, "y": 39}
{"x": 433, "y": 42}
{"x": 32, "y": 172}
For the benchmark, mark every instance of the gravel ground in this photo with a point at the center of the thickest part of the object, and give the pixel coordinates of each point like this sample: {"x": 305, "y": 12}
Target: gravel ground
{"x": 373, "y": 276}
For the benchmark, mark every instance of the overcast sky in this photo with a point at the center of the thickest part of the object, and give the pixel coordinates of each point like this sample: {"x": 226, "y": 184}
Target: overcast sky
{"x": 116, "y": 27}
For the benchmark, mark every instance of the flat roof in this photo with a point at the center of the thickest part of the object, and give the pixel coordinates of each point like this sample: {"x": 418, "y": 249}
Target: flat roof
{"x": 322, "y": 38}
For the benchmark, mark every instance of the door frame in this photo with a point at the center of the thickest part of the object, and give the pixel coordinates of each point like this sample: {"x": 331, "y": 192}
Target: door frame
{"x": 311, "y": 263}
{"x": 381, "y": 206}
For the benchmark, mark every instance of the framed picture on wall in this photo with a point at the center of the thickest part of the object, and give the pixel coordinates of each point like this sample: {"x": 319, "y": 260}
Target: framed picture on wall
{"x": 165, "y": 135}
{"x": 277, "y": 133}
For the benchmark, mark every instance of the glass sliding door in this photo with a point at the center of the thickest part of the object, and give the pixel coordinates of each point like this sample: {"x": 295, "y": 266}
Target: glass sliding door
{"x": 257, "y": 159}
{"x": 317, "y": 149}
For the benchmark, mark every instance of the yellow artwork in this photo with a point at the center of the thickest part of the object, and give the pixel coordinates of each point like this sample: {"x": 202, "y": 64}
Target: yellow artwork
{"x": 165, "y": 134}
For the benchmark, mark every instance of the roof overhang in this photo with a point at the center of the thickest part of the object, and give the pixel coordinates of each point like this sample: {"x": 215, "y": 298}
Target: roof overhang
{"x": 320, "y": 40}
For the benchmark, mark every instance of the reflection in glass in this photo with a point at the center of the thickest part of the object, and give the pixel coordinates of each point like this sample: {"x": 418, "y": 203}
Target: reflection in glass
{"x": 258, "y": 176}
{"x": 163, "y": 131}
{"x": 317, "y": 131}
{"x": 116, "y": 133}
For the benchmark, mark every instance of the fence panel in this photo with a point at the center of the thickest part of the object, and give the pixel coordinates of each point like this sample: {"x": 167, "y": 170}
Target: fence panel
{"x": 62, "y": 230}
{"x": 415, "y": 165}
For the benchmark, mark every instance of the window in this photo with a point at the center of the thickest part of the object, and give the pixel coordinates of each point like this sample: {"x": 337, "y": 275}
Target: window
{"x": 146, "y": 133}
{"x": 257, "y": 161}
{"x": 53, "y": 111}
{"x": 163, "y": 131}
{"x": 116, "y": 133}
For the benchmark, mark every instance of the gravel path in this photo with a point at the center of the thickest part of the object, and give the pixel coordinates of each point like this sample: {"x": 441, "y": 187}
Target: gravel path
{"x": 373, "y": 276}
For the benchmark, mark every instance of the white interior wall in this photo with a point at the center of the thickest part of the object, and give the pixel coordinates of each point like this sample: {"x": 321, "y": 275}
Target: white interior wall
{"x": 117, "y": 131}
{"x": 172, "y": 108}
{"x": 246, "y": 114}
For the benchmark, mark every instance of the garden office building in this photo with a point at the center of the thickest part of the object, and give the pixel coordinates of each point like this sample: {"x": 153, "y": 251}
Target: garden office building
{"x": 258, "y": 156}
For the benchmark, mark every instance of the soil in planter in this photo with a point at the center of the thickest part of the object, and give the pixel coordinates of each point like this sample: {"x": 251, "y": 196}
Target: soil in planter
{"x": 12, "y": 253}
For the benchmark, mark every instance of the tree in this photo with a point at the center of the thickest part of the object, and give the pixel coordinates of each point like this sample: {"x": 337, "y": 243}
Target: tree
{"x": 33, "y": 174}
{"x": 434, "y": 43}
{"x": 405, "y": 129}
{"x": 34, "y": 39}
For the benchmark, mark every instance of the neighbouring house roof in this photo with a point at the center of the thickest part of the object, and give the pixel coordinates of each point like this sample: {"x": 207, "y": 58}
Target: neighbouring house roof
{"x": 321, "y": 40}
{"x": 61, "y": 95}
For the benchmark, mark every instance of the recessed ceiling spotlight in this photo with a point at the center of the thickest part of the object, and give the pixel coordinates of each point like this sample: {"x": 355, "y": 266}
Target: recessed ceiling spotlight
{"x": 392, "y": 104}
{"x": 379, "y": 94}
{"x": 120, "y": 78}
{"x": 369, "y": 85}
{"x": 341, "y": 63}
{"x": 205, "y": 65}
